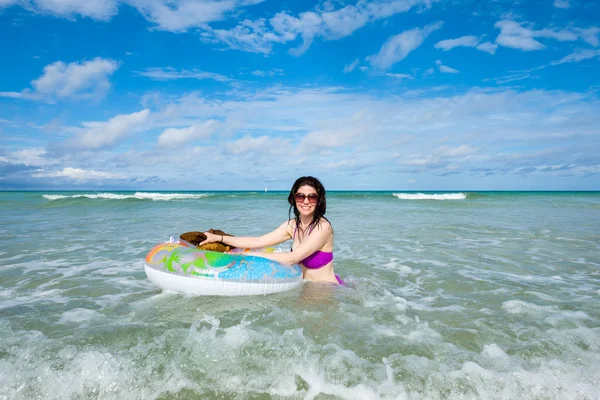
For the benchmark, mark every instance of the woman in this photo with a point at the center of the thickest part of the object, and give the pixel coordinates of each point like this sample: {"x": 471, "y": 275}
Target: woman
{"x": 309, "y": 229}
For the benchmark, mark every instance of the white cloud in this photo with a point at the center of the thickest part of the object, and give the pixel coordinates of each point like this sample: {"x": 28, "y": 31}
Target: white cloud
{"x": 463, "y": 41}
{"x": 578, "y": 56}
{"x": 102, "y": 10}
{"x": 7, "y": 3}
{"x": 34, "y": 156}
{"x": 512, "y": 77}
{"x": 467, "y": 41}
{"x": 168, "y": 15}
{"x": 562, "y": 3}
{"x": 169, "y": 73}
{"x": 350, "y": 67}
{"x": 77, "y": 80}
{"x": 273, "y": 72}
{"x": 175, "y": 137}
{"x": 78, "y": 174}
{"x": 519, "y": 42}
{"x": 590, "y": 35}
{"x": 445, "y": 69}
{"x": 520, "y": 35}
{"x": 397, "y": 47}
{"x": 399, "y": 76}
{"x": 29, "y": 157}
{"x": 263, "y": 145}
{"x": 99, "y": 135}
{"x": 575, "y": 57}
{"x": 329, "y": 138}
{"x": 459, "y": 151}
{"x": 15, "y": 95}
{"x": 488, "y": 47}
{"x": 327, "y": 22}
{"x": 181, "y": 15}
{"x": 249, "y": 36}
{"x": 290, "y": 125}
{"x": 344, "y": 131}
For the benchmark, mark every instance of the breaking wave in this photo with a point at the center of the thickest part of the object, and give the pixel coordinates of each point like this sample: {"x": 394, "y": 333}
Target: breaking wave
{"x": 137, "y": 195}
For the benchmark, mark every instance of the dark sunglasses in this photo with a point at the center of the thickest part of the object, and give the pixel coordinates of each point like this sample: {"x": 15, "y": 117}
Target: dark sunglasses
{"x": 312, "y": 198}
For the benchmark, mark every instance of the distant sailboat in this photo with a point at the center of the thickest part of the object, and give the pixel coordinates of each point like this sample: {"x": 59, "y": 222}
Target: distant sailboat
{"x": 266, "y": 189}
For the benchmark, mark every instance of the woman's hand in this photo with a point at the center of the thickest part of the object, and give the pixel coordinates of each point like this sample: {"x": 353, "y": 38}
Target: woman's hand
{"x": 211, "y": 238}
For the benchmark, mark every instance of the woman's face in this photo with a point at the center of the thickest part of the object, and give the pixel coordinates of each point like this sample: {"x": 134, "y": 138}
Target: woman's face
{"x": 306, "y": 198}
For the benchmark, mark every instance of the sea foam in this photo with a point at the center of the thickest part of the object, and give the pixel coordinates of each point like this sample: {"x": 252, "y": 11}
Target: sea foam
{"x": 137, "y": 195}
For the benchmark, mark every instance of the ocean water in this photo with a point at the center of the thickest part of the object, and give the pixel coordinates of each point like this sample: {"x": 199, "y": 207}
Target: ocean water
{"x": 450, "y": 296}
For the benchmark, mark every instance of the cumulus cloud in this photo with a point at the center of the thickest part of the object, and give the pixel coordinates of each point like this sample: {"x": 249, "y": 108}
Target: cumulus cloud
{"x": 169, "y": 74}
{"x": 98, "y": 135}
{"x": 177, "y": 136}
{"x": 397, "y": 47}
{"x": 76, "y": 80}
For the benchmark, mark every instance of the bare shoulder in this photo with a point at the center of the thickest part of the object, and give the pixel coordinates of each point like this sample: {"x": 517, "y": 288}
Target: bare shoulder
{"x": 324, "y": 225}
{"x": 289, "y": 225}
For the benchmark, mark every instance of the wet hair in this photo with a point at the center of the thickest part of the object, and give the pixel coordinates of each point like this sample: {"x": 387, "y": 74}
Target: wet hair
{"x": 320, "y": 206}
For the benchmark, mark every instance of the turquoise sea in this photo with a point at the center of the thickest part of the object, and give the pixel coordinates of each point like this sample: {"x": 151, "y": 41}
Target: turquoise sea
{"x": 456, "y": 295}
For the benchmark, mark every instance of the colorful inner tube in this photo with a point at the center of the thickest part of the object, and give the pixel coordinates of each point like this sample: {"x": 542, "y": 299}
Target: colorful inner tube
{"x": 181, "y": 267}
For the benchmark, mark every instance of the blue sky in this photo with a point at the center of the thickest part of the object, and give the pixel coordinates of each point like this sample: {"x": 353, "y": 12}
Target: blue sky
{"x": 242, "y": 94}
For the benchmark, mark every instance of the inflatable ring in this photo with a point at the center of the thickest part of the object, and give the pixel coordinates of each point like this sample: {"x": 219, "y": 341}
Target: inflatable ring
{"x": 181, "y": 267}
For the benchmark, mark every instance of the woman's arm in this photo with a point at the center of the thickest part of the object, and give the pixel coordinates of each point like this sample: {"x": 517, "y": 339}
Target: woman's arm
{"x": 314, "y": 242}
{"x": 279, "y": 235}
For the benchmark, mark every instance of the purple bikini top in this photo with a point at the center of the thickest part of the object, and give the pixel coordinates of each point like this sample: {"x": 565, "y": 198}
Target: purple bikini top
{"x": 316, "y": 260}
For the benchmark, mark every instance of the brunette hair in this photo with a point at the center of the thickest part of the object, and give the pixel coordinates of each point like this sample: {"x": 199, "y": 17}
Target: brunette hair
{"x": 320, "y": 206}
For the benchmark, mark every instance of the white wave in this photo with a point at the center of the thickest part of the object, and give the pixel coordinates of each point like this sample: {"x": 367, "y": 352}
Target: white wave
{"x": 426, "y": 196}
{"x": 78, "y": 315}
{"x": 54, "y": 197}
{"x": 137, "y": 195}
